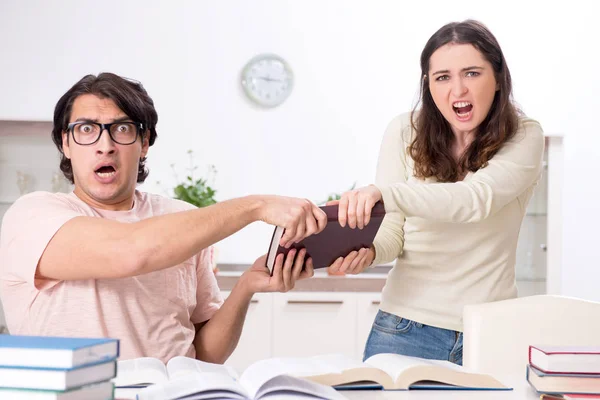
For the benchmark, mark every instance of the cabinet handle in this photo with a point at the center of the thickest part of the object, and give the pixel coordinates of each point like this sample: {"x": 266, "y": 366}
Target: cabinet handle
{"x": 376, "y": 302}
{"x": 315, "y": 301}
{"x": 254, "y": 301}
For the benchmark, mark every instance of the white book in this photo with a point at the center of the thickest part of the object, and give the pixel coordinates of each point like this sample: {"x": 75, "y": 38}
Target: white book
{"x": 311, "y": 377}
{"x": 392, "y": 372}
{"x": 184, "y": 377}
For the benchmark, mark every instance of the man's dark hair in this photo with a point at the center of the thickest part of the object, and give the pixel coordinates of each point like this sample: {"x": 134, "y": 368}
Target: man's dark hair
{"x": 130, "y": 96}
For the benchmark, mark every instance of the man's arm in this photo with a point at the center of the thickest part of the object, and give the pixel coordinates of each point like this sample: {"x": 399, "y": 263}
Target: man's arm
{"x": 95, "y": 248}
{"x": 217, "y": 338}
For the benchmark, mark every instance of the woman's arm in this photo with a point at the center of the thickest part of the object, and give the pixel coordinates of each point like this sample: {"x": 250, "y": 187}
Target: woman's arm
{"x": 515, "y": 168}
{"x": 391, "y": 168}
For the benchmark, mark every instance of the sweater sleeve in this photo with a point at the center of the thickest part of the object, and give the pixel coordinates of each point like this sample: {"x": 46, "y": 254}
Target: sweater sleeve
{"x": 512, "y": 170}
{"x": 391, "y": 168}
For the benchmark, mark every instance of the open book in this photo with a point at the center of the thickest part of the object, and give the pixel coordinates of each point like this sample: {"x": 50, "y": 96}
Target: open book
{"x": 384, "y": 371}
{"x": 188, "y": 378}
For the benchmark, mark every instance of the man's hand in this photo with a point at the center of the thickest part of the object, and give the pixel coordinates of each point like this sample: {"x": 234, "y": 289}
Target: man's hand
{"x": 299, "y": 217}
{"x": 285, "y": 273}
{"x": 354, "y": 263}
{"x": 355, "y": 206}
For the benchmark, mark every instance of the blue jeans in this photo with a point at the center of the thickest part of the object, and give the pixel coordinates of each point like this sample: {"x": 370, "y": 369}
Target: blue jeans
{"x": 393, "y": 334}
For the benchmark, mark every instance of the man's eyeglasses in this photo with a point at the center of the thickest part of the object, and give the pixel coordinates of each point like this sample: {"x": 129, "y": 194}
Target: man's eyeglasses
{"x": 87, "y": 133}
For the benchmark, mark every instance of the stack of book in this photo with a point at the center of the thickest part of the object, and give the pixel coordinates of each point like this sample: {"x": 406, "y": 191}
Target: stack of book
{"x": 57, "y": 368}
{"x": 568, "y": 372}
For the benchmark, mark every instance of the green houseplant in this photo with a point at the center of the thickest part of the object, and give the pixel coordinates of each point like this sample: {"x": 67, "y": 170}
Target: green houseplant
{"x": 199, "y": 192}
{"x": 196, "y": 191}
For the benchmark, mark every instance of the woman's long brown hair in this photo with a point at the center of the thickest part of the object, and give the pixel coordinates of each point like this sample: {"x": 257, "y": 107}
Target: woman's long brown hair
{"x": 431, "y": 148}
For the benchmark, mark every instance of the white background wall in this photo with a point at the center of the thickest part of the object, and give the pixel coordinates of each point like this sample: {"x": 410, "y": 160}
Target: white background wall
{"x": 356, "y": 66}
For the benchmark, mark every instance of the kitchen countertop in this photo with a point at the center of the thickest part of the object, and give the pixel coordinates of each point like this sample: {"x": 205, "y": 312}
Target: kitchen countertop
{"x": 371, "y": 280}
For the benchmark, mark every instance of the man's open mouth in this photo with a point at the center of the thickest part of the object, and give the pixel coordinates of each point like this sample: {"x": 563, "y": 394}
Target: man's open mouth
{"x": 105, "y": 171}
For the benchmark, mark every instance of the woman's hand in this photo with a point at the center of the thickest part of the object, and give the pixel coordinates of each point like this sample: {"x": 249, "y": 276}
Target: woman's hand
{"x": 354, "y": 263}
{"x": 355, "y": 206}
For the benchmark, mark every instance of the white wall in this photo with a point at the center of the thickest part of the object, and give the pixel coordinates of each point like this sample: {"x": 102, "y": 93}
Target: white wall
{"x": 356, "y": 66}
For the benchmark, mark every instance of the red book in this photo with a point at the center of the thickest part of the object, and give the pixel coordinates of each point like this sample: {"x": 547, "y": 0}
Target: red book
{"x": 568, "y": 396}
{"x": 565, "y": 359}
{"x": 333, "y": 241}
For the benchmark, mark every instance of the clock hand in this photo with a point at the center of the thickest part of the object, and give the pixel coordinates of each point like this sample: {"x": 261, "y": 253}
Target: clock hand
{"x": 268, "y": 79}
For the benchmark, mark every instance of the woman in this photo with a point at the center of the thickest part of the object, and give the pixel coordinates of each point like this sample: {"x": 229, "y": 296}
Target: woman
{"x": 455, "y": 176}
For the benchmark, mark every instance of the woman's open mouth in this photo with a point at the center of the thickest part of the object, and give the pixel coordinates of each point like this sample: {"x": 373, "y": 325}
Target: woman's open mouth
{"x": 463, "y": 110}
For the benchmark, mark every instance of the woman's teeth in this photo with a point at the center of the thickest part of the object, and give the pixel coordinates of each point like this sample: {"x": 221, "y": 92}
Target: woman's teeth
{"x": 461, "y": 104}
{"x": 462, "y": 108}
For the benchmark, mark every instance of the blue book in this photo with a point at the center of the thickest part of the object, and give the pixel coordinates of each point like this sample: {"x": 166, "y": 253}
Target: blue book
{"x": 56, "y": 379}
{"x": 55, "y": 352}
{"x": 100, "y": 391}
{"x": 562, "y": 383}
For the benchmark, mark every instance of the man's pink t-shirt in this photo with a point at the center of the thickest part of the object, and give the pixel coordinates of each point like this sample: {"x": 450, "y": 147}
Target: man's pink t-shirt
{"x": 153, "y": 314}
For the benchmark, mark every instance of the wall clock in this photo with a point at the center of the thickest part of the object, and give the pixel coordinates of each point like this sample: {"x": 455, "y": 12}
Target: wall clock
{"x": 267, "y": 80}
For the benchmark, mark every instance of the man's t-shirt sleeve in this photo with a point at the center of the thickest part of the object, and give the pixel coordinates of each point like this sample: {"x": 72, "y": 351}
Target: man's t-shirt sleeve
{"x": 27, "y": 228}
{"x": 208, "y": 294}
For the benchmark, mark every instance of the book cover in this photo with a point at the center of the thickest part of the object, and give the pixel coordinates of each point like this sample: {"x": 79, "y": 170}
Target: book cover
{"x": 332, "y": 242}
{"x": 567, "y": 349}
{"x": 55, "y": 352}
{"x": 539, "y": 372}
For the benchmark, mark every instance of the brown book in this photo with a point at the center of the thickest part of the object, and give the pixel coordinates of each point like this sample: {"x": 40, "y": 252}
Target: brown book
{"x": 333, "y": 241}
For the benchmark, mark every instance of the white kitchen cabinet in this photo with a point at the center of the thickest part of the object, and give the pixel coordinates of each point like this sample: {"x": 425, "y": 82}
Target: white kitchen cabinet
{"x": 312, "y": 323}
{"x": 367, "y": 305}
{"x": 255, "y": 342}
{"x": 539, "y": 249}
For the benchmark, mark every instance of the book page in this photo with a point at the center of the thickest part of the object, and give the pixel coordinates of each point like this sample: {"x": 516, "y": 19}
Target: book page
{"x": 206, "y": 385}
{"x": 412, "y": 371}
{"x": 295, "y": 387}
{"x": 178, "y": 367}
{"x": 272, "y": 254}
{"x": 395, "y": 364}
{"x": 140, "y": 372}
{"x": 257, "y": 374}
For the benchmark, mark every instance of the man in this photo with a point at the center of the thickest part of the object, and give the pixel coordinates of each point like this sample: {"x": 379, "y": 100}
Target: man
{"x": 108, "y": 260}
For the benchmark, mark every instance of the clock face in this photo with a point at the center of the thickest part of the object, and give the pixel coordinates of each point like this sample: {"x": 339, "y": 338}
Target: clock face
{"x": 267, "y": 80}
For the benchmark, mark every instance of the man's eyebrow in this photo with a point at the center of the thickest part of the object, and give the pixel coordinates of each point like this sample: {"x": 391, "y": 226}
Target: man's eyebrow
{"x": 120, "y": 119}
{"x": 446, "y": 71}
